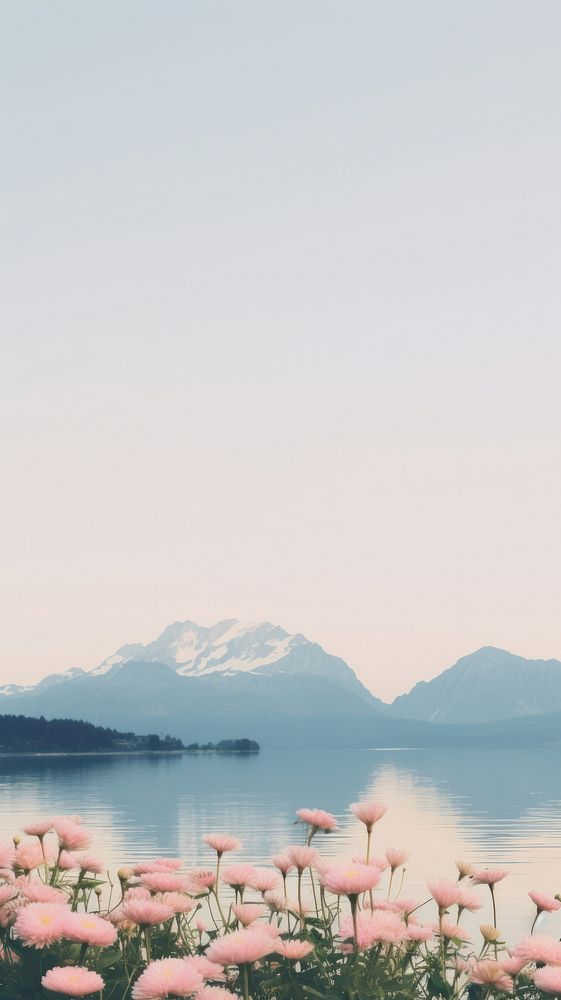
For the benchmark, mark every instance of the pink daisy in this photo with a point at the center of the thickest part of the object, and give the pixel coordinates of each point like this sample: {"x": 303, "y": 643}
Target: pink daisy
{"x": 222, "y": 842}
{"x": 468, "y": 899}
{"x": 179, "y": 902}
{"x": 374, "y": 928}
{"x": 396, "y": 857}
{"x": 239, "y": 876}
{"x": 157, "y": 865}
{"x": 317, "y": 819}
{"x": 73, "y": 980}
{"x": 282, "y": 862}
{"x": 539, "y": 948}
{"x": 206, "y": 969}
{"x": 444, "y": 892}
{"x": 350, "y": 880}
{"x": 369, "y": 813}
{"x": 146, "y": 912}
{"x": 87, "y": 928}
{"x": 241, "y": 948}
{"x": 35, "y": 891}
{"x": 40, "y": 924}
{"x": 301, "y": 857}
{"x": 548, "y": 979}
{"x": 38, "y": 828}
{"x": 294, "y": 949}
{"x": 200, "y": 879}
{"x": 544, "y": 902}
{"x": 165, "y": 882}
{"x": 167, "y": 977}
{"x": 488, "y": 876}
{"x": 264, "y": 880}
{"x": 246, "y": 913}
{"x": 71, "y": 835}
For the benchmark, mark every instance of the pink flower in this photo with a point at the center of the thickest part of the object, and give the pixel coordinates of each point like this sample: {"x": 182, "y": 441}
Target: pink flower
{"x": 548, "y": 979}
{"x": 221, "y": 842}
{"x": 200, "y": 879}
{"x": 89, "y": 863}
{"x": 369, "y": 813}
{"x": 318, "y": 819}
{"x": 67, "y": 861}
{"x": 444, "y": 892}
{"x": 157, "y": 865}
{"x": 374, "y": 928}
{"x": 513, "y": 965}
{"x": 301, "y": 857}
{"x": 488, "y": 972}
{"x": 87, "y": 928}
{"x": 39, "y": 828}
{"x": 450, "y": 930}
{"x": 138, "y": 892}
{"x": 380, "y": 863}
{"x": 39, "y": 924}
{"x": 282, "y": 862}
{"x": 294, "y": 949}
{"x": 167, "y": 977}
{"x": 9, "y": 891}
{"x": 241, "y": 947}
{"x": 7, "y": 855}
{"x": 419, "y": 932}
{"x": 165, "y": 882}
{"x": 468, "y": 899}
{"x": 246, "y": 913}
{"x": 544, "y": 903}
{"x": 28, "y": 855}
{"x": 488, "y": 876}
{"x": 239, "y": 876}
{"x": 73, "y": 980}
{"x": 264, "y": 880}
{"x": 404, "y": 906}
{"x": 206, "y": 969}
{"x": 275, "y": 901}
{"x": 35, "y": 891}
{"x": 145, "y": 912}
{"x": 71, "y": 835}
{"x": 215, "y": 993}
{"x": 350, "y": 880}
{"x": 539, "y": 948}
{"x": 396, "y": 857}
{"x": 178, "y": 902}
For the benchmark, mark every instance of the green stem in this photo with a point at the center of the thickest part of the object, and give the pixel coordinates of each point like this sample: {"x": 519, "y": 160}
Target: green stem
{"x": 245, "y": 981}
{"x": 148, "y": 944}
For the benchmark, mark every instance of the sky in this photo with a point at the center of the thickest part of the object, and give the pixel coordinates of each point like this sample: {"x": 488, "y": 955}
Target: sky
{"x": 281, "y": 328}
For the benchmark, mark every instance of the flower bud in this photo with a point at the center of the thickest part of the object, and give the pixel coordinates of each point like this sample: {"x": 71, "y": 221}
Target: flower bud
{"x": 490, "y": 934}
{"x": 124, "y": 874}
{"x": 465, "y": 868}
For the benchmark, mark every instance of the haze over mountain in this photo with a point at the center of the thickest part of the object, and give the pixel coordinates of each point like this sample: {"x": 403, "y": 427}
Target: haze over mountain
{"x": 282, "y": 689}
{"x": 485, "y": 686}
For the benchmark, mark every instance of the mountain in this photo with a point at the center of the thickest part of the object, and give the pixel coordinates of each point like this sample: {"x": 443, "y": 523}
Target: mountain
{"x": 486, "y": 686}
{"x": 257, "y": 680}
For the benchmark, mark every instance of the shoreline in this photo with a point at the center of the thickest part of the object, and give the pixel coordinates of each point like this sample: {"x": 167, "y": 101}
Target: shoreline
{"x": 116, "y": 753}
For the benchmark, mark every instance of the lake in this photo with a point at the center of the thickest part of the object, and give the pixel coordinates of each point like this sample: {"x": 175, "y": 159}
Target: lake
{"x": 489, "y": 807}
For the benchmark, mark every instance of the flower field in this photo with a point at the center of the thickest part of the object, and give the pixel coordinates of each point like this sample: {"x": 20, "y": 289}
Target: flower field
{"x": 302, "y": 928}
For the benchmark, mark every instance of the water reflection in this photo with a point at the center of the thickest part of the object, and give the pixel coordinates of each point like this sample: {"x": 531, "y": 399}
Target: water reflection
{"x": 490, "y": 806}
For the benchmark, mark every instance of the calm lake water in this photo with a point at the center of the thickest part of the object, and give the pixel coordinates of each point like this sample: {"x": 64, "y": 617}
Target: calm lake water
{"x": 490, "y": 807}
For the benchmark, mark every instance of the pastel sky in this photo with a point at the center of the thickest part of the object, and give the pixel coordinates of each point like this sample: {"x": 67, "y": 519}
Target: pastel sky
{"x": 281, "y": 327}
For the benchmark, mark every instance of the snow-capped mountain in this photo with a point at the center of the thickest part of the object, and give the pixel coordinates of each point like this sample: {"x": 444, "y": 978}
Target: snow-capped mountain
{"x": 209, "y": 683}
{"x": 227, "y": 647}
